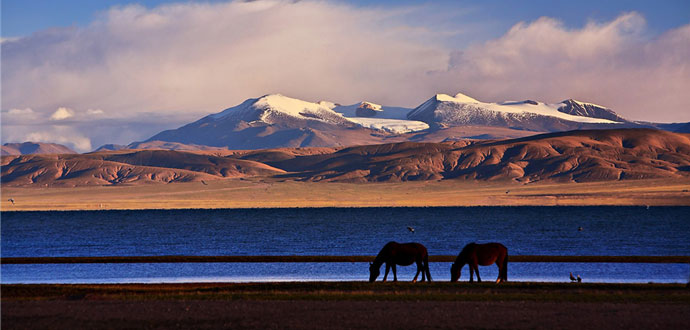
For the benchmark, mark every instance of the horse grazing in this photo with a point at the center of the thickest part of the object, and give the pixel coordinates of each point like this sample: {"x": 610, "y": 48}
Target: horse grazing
{"x": 394, "y": 253}
{"x": 481, "y": 254}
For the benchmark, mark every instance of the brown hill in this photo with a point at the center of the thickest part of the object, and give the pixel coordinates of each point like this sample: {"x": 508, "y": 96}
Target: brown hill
{"x": 29, "y": 148}
{"x": 579, "y": 156}
{"x": 126, "y": 167}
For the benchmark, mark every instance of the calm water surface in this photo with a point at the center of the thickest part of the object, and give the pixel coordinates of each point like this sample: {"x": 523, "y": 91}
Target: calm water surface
{"x": 341, "y": 231}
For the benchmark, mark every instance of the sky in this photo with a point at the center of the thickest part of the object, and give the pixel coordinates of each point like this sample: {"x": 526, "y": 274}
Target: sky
{"x": 85, "y": 73}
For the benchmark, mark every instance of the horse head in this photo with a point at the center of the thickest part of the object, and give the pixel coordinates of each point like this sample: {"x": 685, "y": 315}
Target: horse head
{"x": 373, "y": 272}
{"x": 455, "y": 272}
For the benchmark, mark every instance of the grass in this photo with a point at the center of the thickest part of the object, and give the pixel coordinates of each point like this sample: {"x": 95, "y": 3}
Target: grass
{"x": 400, "y": 291}
{"x": 251, "y": 193}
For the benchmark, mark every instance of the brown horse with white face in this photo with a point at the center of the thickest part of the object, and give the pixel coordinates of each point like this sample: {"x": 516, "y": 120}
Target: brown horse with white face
{"x": 400, "y": 254}
{"x": 481, "y": 254}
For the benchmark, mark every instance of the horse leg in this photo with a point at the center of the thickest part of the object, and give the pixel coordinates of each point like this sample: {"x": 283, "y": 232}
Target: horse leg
{"x": 388, "y": 268}
{"x": 471, "y": 273}
{"x": 476, "y": 270}
{"x": 414, "y": 280}
{"x": 426, "y": 268}
{"x": 395, "y": 274}
{"x": 504, "y": 269}
{"x": 499, "y": 262}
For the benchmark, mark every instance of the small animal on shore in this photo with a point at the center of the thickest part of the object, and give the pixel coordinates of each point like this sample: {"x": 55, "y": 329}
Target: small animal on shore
{"x": 572, "y": 278}
{"x": 204, "y": 183}
{"x": 410, "y": 229}
{"x": 579, "y": 279}
{"x": 11, "y": 200}
{"x": 475, "y": 255}
{"x": 394, "y": 253}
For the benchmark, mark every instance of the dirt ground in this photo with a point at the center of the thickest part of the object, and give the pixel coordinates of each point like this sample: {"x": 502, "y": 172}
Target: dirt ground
{"x": 242, "y": 314}
{"x": 346, "y": 306}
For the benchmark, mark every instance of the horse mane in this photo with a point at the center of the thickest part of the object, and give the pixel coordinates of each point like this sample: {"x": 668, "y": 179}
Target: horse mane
{"x": 463, "y": 256}
{"x": 379, "y": 260}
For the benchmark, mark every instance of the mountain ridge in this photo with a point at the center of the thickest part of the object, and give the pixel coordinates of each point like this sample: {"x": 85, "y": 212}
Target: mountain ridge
{"x": 275, "y": 121}
{"x": 28, "y": 148}
{"x": 574, "y": 156}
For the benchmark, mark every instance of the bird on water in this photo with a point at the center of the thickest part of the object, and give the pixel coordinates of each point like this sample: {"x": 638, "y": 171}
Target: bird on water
{"x": 410, "y": 229}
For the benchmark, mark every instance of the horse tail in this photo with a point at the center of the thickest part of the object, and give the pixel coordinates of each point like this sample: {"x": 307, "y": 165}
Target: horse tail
{"x": 504, "y": 269}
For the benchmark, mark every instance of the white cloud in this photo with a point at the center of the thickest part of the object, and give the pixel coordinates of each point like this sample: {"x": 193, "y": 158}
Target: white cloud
{"x": 614, "y": 63}
{"x": 94, "y": 112}
{"x": 203, "y": 58}
{"x": 26, "y": 112}
{"x": 62, "y": 113}
{"x": 187, "y": 60}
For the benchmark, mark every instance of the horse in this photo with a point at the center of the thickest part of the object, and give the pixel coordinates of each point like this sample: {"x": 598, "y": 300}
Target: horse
{"x": 481, "y": 254}
{"x": 394, "y": 253}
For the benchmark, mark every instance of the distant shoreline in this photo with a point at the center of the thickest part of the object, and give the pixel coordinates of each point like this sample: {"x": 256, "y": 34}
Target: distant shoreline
{"x": 264, "y": 193}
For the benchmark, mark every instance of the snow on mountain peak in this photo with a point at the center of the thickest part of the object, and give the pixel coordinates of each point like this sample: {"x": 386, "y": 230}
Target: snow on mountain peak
{"x": 458, "y": 98}
{"x": 586, "y": 103}
{"x": 288, "y": 105}
{"x": 464, "y": 98}
{"x": 463, "y": 110}
{"x": 269, "y": 106}
{"x": 371, "y": 106}
{"x": 327, "y": 104}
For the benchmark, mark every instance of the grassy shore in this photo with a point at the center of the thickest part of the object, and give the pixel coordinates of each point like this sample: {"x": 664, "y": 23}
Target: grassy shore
{"x": 442, "y": 291}
{"x": 252, "y": 193}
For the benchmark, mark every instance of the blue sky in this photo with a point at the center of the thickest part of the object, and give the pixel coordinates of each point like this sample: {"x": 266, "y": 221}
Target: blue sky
{"x": 21, "y": 17}
{"x": 87, "y": 72}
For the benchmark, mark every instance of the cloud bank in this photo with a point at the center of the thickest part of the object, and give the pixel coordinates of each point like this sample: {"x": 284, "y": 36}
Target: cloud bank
{"x": 615, "y": 64}
{"x": 146, "y": 69}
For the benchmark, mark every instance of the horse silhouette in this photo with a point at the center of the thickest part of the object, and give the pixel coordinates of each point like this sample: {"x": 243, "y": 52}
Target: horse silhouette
{"x": 481, "y": 254}
{"x": 394, "y": 253}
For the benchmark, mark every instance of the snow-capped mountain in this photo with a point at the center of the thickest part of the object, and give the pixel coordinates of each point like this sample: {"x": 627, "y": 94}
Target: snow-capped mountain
{"x": 584, "y": 109}
{"x": 371, "y": 110}
{"x": 277, "y": 109}
{"x": 458, "y": 110}
{"x": 275, "y": 120}
{"x": 379, "y": 117}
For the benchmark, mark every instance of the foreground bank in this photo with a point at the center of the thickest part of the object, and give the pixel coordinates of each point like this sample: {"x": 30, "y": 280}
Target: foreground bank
{"x": 343, "y": 305}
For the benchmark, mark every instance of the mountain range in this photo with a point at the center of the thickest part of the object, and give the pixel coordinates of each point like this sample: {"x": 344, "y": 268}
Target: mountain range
{"x": 572, "y": 156}
{"x": 275, "y": 121}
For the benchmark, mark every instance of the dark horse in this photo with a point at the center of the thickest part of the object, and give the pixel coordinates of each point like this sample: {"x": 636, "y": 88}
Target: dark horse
{"x": 481, "y": 254}
{"x": 400, "y": 254}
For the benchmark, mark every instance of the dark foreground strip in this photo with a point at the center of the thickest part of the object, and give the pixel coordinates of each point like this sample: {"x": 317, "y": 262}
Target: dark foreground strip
{"x": 446, "y": 258}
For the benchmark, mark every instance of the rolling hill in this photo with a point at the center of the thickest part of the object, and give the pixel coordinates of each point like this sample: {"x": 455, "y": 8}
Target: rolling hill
{"x": 573, "y": 156}
{"x": 30, "y": 148}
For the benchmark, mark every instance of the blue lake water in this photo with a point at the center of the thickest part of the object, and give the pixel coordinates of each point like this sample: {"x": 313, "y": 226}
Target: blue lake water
{"x": 341, "y": 231}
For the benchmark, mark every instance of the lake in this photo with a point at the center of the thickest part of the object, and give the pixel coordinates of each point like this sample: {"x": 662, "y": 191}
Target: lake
{"x": 655, "y": 231}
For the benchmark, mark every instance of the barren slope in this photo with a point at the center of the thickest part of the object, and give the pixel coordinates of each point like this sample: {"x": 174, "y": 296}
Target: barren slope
{"x": 130, "y": 167}
{"x": 576, "y": 156}
{"x": 568, "y": 156}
